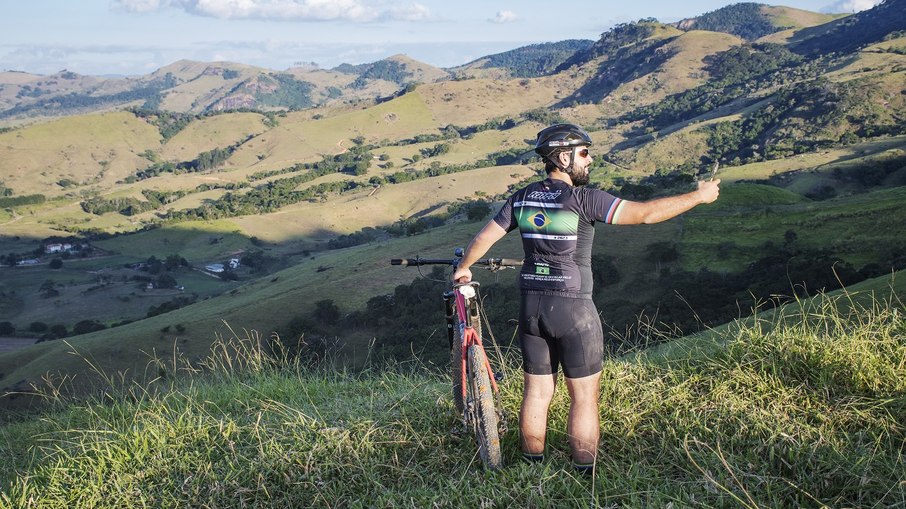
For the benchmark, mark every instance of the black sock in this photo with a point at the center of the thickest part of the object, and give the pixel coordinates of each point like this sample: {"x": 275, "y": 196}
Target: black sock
{"x": 532, "y": 457}
{"x": 584, "y": 468}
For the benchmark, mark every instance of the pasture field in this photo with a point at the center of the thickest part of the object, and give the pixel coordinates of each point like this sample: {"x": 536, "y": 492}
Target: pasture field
{"x": 219, "y": 131}
{"x": 88, "y": 150}
{"x": 860, "y": 229}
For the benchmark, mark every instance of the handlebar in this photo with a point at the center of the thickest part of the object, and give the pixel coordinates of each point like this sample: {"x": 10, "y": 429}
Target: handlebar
{"x": 489, "y": 263}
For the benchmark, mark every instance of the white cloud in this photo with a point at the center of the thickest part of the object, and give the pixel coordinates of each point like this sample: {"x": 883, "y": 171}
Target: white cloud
{"x": 851, "y": 5}
{"x": 142, "y": 5}
{"x": 413, "y": 12}
{"x": 287, "y": 10}
{"x": 504, "y": 17}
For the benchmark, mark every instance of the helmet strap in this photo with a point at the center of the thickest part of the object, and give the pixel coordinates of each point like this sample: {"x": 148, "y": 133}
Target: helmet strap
{"x": 555, "y": 158}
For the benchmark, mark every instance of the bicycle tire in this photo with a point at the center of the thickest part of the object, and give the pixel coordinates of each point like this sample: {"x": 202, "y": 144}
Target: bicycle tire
{"x": 485, "y": 415}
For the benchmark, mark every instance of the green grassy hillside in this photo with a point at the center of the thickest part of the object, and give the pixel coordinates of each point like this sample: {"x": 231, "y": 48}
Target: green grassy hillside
{"x": 786, "y": 413}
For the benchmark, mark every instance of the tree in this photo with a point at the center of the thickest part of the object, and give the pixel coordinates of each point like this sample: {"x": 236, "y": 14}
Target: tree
{"x": 48, "y": 289}
{"x": 174, "y": 261}
{"x": 327, "y": 312}
{"x": 7, "y": 328}
{"x": 59, "y": 330}
{"x": 166, "y": 281}
{"x": 56, "y": 263}
{"x": 37, "y": 327}
{"x": 86, "y": 326}
{"x": 477, "y": 210}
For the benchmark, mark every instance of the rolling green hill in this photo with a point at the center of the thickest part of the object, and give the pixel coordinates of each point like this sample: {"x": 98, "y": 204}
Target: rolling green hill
{"x": 314, "y": 202}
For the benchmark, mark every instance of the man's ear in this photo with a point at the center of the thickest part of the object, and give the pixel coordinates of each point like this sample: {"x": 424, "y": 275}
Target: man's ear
{"x": 563, "y": 157}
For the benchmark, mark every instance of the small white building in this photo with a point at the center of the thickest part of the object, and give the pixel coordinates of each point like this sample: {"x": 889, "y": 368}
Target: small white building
{"x": 57, "y": 248}
{"x": 216, "y": 268}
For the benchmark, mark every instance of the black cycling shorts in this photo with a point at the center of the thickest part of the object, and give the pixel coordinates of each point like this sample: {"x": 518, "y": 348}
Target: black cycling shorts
{"x": 560, "y": 331}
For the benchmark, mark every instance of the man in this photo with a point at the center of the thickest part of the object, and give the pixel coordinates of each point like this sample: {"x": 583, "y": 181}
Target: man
{"x": 558, "y": 323}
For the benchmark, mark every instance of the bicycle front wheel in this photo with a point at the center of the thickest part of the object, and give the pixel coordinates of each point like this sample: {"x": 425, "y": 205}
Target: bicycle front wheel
{"x": 484, "y": 414}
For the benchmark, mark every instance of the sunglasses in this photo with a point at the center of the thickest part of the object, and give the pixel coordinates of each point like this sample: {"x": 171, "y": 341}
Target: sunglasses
{"x": 582, "y": 152}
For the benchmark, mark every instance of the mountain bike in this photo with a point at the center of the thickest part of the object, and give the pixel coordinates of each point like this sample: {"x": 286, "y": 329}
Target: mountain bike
{"x": 476, "y": 396}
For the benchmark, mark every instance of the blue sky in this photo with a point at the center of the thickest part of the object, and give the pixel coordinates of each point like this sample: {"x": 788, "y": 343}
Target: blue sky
{"x": 132, "y": 37}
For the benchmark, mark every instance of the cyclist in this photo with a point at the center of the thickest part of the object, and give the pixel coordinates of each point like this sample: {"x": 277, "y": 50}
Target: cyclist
{"x": 559, "y": 326}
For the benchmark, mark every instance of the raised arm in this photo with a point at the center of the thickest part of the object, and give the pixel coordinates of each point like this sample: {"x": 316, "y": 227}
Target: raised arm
{"x": 662, "y": 209}
{"x": 487, "y": 237}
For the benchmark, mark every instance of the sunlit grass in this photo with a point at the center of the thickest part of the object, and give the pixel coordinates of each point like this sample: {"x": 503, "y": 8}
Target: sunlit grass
{"x": 803, "y": 408}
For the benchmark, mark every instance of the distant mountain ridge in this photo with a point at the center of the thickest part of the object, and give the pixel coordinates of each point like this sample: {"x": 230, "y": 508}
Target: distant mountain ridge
{"x": 627, "y": 51}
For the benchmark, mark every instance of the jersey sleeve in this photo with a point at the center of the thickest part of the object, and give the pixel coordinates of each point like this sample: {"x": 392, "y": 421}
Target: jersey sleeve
{"x": 505, "y": 217}
{"x": 603, "y": 206}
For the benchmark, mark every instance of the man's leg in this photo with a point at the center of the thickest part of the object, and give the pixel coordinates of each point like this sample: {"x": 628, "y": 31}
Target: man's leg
{"x": 583, "y": 425}
{"x": 536, "y": 399}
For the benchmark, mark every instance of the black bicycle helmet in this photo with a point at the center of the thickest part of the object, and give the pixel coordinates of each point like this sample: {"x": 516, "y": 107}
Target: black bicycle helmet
{"x": 560, "y": 136}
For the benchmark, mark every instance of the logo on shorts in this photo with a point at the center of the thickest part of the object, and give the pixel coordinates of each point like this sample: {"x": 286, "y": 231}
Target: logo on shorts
{"x": 543, "y": 270}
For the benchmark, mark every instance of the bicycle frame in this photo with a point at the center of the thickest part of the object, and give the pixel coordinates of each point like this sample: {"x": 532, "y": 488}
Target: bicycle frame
{"x": 467, "y": 331}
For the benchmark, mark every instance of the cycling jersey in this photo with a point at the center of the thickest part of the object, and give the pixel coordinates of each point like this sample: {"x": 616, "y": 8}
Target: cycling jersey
{"x": 556, "y": 221}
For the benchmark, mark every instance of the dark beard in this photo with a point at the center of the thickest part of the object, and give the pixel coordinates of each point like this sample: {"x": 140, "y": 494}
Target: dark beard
{"x": 578, "y": 178}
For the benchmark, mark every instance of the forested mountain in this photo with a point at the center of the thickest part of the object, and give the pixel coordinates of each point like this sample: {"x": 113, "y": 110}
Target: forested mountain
{"x": 745, "y": 20}
{"x": 530, "y": 61}
{"x": 885, "y": 21}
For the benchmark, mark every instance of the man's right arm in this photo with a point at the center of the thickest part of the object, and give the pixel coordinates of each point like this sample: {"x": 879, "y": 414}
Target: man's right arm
{"x": 662, "y": 209}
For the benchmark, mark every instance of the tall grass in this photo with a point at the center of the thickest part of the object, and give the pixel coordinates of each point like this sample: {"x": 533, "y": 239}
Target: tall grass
{"x": 805, "y": 409}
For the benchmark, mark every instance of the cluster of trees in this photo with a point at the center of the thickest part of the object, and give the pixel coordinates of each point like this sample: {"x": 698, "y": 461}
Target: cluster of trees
{"x": 41, "y": 329}
{"x": 613, "y": 42}
{"x": 738, "y": 73}
{"x": 286, "y": 91}
{"x": 171, "y": 305}
{"x": 204, "y": 161}
{"x": 18, "y": 201}
{"x": 857, "y": 30}
{"x": 744, "y": 20}
{"x": 171, "y": 123}
{"x": 437, "y": 150}
{"x": 167, "y": 122}
{"x": 260, "y": 200}
{"x": 749, "y": 61}
{"x": 802, "y": 118}
{"x": 536, "y": 59}
{"x": 387, "y": 70}
{"x": 354, "y": 161}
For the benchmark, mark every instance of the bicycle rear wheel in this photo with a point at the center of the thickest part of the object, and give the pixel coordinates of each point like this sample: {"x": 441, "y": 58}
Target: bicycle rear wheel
{"x": 484, "y": 415}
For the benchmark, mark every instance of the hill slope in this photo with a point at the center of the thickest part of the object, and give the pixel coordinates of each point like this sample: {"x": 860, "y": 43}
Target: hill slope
{"x": 807, "y": 412}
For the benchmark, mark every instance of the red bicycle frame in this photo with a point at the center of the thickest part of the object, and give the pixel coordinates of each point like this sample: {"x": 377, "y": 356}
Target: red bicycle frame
{"x": 469, "y": 337}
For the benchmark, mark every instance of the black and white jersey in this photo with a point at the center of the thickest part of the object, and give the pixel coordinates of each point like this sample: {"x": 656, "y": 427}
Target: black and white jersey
{"x": 556, "y": 221}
